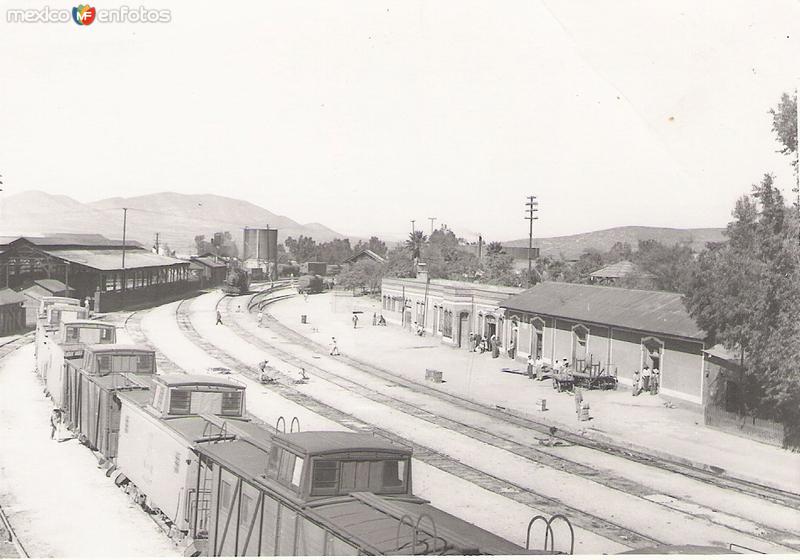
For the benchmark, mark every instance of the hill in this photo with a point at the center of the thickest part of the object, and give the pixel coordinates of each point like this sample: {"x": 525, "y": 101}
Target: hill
{"x": 571, "y": 246}
{"x": 178, "y": 218}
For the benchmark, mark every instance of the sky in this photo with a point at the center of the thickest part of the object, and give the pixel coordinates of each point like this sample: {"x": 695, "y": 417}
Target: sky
{"x": 365, "y": 115}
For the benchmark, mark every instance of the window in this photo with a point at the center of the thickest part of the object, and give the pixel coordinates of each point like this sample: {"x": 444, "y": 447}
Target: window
{"x": 73, "y": 334}
{"x": 325, "y": 477}
{"x": 104, "y": 364}
{"x": 298, "y": 471}
{"x": 245, "y": 509}
{"x": 232, "y": 403}
{"x": 180, "y": 402}
{"x": 225, "y": 495}
{"x": 447, "y": 323}
{"x": 394, "y": 474}
{"x": 106, "y": 335}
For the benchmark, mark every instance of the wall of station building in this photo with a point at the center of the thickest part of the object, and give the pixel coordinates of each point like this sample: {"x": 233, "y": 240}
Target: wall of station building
{"x": 453, "y": 310}
{"x": 616, "y": 349}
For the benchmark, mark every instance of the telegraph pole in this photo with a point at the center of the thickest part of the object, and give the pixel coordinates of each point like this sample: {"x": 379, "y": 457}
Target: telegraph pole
{"x": 157, "y": 245}
{"x": 531, "y": 214}
{"x": 124, "y": 233}
{"x": 431, "y": 219}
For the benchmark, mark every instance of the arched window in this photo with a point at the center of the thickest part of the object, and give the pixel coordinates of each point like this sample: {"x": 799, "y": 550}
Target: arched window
{"x": 580, "y": 346}
{"x": 537, "y": 337}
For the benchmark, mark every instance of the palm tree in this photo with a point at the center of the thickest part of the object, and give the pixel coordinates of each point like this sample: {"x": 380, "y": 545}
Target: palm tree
{"x": 494, "y": 248}
{"x": 415, "y": 242}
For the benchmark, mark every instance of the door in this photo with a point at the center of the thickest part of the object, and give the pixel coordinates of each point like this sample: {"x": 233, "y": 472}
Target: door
{"x": 463, "y": 329}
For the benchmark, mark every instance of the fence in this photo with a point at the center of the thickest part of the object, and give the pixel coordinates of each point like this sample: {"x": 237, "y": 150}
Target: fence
{"x": 758, "y": 429}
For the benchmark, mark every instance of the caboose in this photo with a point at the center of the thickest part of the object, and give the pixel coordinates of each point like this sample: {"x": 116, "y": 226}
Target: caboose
{"x": 92, "y": 409}
{"x": 323, "y": 494}
{"x": 157, "y": 436}
{"x": 69, "y": 344}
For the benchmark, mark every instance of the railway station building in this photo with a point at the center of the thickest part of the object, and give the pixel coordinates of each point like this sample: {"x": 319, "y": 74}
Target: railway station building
{"x": 620, "y": 329}
{"x": 92, "y": 266}
{"x": 447, "y": 309}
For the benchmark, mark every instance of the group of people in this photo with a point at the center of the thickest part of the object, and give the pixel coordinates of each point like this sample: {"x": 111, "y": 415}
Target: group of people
{"x": 265, "y": 377}
{"x": 479, "y": 343}
{"x": 646, "y": 381}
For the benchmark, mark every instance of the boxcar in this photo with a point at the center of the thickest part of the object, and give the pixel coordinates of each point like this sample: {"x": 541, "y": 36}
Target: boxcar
{"x": 325, "y": 493}
{"x": 48, "y": 325}
{"x": 68, "y": 344}
{"x": 157, "y": 437}
{"x": 92, "y": 383}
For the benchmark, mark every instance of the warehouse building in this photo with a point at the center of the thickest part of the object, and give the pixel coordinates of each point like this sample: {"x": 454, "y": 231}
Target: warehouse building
{"x": 92, "y": 266}
{"x": 620, "y": 329}
{"x": 12, "y": 312}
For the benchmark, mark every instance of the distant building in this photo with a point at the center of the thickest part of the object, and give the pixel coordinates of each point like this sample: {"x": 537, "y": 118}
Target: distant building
{"x": 209, "y": 270}
{"x": 12, "y": 312}
{"x": 92, "y": 266}
{"x": 260, "y": 252}
{"x": 318, "y": 268}
{"x": 40, "y": 289}
{"x": 613, "y": 273}
{"x": 366, "y": 254}
{"x": 621, "y": 329}
{"x": 447, "y": 309}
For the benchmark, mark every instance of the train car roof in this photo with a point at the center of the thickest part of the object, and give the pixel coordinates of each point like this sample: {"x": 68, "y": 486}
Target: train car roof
{"x": 122, "y": 381}
{"x": 194, "y": 428}
{"x": 313, "y": 443}
{"x": 100, "y": 348}
{"x": 180, "y": 379}
{"x": 240, "y": 456}
{"x": 374, "y": 520}
{"x": 67, "y": 307}
{"x": 681, "y": 549}
{"x": 87, "y": 323}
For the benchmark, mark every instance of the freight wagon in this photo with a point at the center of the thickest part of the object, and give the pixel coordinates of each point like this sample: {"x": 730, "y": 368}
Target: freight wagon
{"x": 157, "y": 436}
{"x": 55, "y": 313}
{"x": 92, "y": 409}
{"x": 68, "y": 344}
{"x": 324, "y": 493}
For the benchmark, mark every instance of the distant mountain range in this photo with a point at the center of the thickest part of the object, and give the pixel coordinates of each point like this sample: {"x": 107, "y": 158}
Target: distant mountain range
{"x": 571, "y": 246}
{"x": 178, "y": 218}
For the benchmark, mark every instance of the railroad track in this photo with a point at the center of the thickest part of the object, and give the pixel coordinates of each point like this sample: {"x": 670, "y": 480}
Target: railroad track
{"x": 707, "y": 473}
{"x": 507, "y": 489}
{"x": 10, "y": 540}
{"x": 537, "y": 454}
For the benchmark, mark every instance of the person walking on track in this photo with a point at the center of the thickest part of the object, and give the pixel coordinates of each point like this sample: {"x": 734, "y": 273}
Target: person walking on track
{"x": 219, "y": 317}
{"x": 334, "y": 351}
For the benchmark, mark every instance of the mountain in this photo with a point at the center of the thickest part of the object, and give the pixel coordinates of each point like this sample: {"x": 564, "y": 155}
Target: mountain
{"x": 571, "y": 246}
{"x": 178, "y": 218}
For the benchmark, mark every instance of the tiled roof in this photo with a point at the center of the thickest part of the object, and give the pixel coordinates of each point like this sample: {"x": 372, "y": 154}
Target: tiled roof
{"x": 52, "y": 285}
{"x": 622, "y": 269}
{"x": 642, "y": 310}
{"x": 10, "y": 297}
{"x": 111, "y": 259}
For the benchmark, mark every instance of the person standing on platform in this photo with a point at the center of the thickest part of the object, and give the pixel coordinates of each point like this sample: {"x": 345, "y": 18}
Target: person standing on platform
{"x": 578, "y": 401}
{"x": 512, "y": 349}
{"x": 334, "y": 351}
{"x": 531, "y": 367}
{"x": 55, "y": 420}
{"x": 646, "y": 379}
{"x": 654, "y": 381}
{"x": 374, "y": 319}
{"x": 219, "y": 317}
{"x": 355, "y": 321}
{"x": 495, "y": 346}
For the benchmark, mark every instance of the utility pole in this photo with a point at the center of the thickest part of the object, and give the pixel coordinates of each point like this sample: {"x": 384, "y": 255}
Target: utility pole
{"x": 431, "y": 219}
{"x": 157, "y": 245}
{"x": 480, "y": 246}
{"x": 531, "y": 214}
{"x": 124, "y": 233}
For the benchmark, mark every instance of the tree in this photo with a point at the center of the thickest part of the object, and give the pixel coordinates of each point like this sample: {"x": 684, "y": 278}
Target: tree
{"x": 494, "y": 248}
{"x": 399, "y": 263}
{"x": 671, "y": 266}
{"x": 335, "y": 251}
{"x": 374, "y": 244}
{"x": 224, "y": 245}
{"x": 302, "y": 249}
{"x": 415, "y": 242}
{"x": 365, "y": 275}
{"x": 203, "y": 247}
{"x": 784, "y": 123}
{"x": 745, "y": 293}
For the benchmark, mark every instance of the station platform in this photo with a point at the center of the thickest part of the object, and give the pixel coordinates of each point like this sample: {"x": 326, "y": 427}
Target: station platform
{"x": 660, "y": 426}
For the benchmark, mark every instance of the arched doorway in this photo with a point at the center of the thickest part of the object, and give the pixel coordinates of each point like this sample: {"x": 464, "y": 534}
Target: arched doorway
{"x": 537, "y": 338}
{"x": 580, "y": 347}
{"x": 653, "y": 353}
{"x": 463, "y": 328}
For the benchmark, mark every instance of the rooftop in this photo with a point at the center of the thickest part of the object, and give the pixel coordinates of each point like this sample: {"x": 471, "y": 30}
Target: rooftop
{"x": 70, "y": 240}
{"x": 621, "y": 269}
{"x": 210, "y": 262}
{"x": 111, "y": 259}
{"x": 331, "y": 442}
{"x": 100, "y": 348}
{"x": 10, "y": 297}
{"x": 642, "y": 310}
{"x": 460, "y": 284}
{"x": 52, "y": 285}
{"x": 179, "y": 380}
{"x": 366, "y": 253}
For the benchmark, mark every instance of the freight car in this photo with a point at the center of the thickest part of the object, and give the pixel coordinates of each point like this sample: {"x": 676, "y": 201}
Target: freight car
{"x": 158, "y": 432}
{"x": 310, "y": 284}
{"x": 324, "y": 493}
{"x": 55, "y": 313}
{"x": 68, "y": 344}
{"x": 92, "y": 385}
